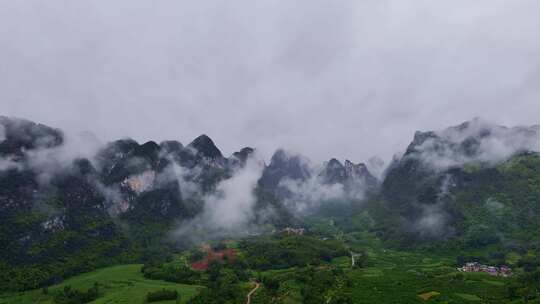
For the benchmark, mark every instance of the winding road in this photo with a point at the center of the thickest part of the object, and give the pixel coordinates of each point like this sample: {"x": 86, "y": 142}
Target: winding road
{"x": 248, "y": 300}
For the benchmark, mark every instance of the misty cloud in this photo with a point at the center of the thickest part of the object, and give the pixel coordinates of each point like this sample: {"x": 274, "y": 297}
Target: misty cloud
{"x": 231, "y": 205}
{"x": 310, "y": 194}
{"x": 307, "y": 194}
{"x": 189, "y": 188}
{"x": 477, "y": 141}
{"x": 228, "y": 211}
{"x": 114, "y": 200}
{"x": 7, "y": 163}
{"x": 376, "y": 166}
{"x": 433, "y": 221}
{"x": 2, "y": 133}
{"x": 47, "y": 162}
{"x": 494, "y": 206}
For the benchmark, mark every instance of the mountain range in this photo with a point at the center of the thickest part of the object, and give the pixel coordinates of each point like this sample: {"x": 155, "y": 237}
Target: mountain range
{"x": 64, "y": 211}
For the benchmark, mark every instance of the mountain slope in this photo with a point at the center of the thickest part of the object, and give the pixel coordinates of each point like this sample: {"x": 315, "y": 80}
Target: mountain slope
{"x": 475, "y": 184}
{"x": 471, "y": 186}
{"x": 62, "y": 214}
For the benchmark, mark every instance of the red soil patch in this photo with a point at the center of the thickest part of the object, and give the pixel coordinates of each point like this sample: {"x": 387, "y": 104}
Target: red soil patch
{"x": 212, "y": 256}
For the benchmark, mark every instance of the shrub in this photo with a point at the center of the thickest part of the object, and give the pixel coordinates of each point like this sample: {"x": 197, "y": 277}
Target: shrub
{"x": 271, "y": 283}
{"x": 162, "y": 295}
{"x": 74, "y": 296}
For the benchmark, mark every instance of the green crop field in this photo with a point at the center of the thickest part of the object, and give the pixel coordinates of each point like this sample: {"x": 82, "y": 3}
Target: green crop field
{"x": 400, "y": 277}
{"x": 388, "y": 277}
{"x": 118, "y": 284}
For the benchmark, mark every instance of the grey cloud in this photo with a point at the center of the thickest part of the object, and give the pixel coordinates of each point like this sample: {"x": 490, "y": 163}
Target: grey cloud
{"x": 344, "y": 79}
{"x": 184, "y": 176}
{"x": 433, "y": 221}
{"x": 483, "y": 142}
{"x": 307, "y": 194}
{"x": 310, "y": 194}
{"x": 376, "y": 166}
{"x": 229, "y": 209}
{"x": 47, "y": 162}
{"x": 2, "y": 133}
{"x": 494, "y": 206}
{"x": 114, "y": 200}
{"x": 230, "y": 206}
{"x": 7, "y": 163}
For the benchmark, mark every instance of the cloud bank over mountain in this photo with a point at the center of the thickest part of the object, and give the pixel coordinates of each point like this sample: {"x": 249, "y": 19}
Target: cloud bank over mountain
{"x": 477, "y": 140}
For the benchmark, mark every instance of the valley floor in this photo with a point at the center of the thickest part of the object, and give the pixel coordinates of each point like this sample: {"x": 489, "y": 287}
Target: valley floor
{"x": 393, "y": 277}
{"x": 385, "y": 276}
{"x": 401, "y": 277}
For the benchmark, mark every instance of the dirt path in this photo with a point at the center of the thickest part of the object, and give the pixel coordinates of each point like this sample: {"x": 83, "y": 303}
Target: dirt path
{"x": 248, "y": 301}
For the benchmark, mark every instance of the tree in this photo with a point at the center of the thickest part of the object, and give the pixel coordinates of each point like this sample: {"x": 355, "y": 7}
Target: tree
{"x": 271, "y": 283}
{"x": 162, "y": 295}
{"x": 341, "y": 299}
{"x": 526, "y": 287}
{"x": 196, "y": 255}
{"x": 360, "y": 259}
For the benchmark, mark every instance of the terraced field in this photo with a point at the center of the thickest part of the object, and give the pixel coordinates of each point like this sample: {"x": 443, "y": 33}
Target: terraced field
{"x": 401, "y": 277}
{"x": 387, "y": 276}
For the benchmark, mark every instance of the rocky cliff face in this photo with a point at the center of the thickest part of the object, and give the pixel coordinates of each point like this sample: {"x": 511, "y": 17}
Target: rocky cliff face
{"x": 284, "y": 165}
{"x": 349, "y": 175}
{"x": 58, "y": 207}
{"x": 472, "y": 143}
{"x": 19, "y": 135}
{"x": 127, "y": 181}
{"x": 54, "y": 206}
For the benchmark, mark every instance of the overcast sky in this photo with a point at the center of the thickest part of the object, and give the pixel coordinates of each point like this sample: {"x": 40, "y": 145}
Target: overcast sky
{"x": 346, "y": 79}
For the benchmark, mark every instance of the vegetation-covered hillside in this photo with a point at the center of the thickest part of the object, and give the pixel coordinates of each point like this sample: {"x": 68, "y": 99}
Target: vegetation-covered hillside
{"x": 167, "y": 222}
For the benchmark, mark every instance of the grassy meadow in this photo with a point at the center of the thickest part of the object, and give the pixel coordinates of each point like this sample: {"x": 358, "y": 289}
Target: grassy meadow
{"x": 117, "y": 284}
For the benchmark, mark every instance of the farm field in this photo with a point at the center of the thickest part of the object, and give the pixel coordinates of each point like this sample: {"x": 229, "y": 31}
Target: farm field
{"x": 405, "y": 277}
{"x": 118, "y": 284}
{"x": 402, "y": 277}
{"x": 383, "y": 275}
